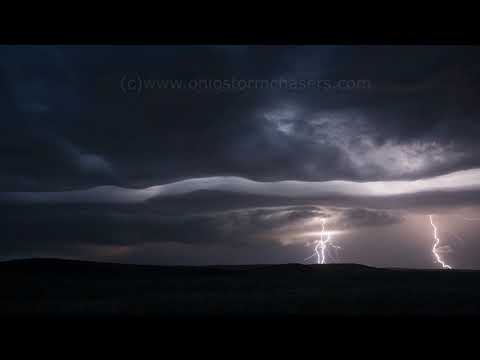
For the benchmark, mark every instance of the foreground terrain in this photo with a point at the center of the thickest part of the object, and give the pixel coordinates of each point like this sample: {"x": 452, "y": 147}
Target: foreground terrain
{"x": 51, "y": 287}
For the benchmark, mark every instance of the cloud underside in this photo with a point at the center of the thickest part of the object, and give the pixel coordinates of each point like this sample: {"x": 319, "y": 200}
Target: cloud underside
{"x": 73, "y": 227}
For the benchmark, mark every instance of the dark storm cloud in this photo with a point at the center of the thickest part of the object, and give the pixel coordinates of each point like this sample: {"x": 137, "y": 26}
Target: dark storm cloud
{"x": 366, "y": 217}
{"x": 417, "y": 118}
{"x": 40, "y": 103}
{"x": 79, "y": 227}
{"x": 48, "y": 161}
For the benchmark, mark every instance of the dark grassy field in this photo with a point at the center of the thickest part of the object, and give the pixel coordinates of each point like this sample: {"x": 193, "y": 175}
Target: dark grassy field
{"x": 48, "y": 287}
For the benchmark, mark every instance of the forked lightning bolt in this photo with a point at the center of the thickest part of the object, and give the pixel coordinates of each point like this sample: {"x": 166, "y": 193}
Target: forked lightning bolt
{"x": 435, "y": 245}
{"x": 321, "y": 245}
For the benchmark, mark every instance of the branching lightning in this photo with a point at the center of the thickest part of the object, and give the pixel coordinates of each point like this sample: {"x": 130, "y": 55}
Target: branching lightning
{"x": 321, "y": 245}
{"x": 435, "y": 249}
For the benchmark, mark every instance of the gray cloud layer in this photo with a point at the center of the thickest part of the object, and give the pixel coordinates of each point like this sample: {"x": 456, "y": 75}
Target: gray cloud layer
{"x": 418, "y": 118}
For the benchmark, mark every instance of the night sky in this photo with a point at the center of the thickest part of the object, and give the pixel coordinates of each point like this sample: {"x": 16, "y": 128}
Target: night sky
{"x": 243, "y": 160}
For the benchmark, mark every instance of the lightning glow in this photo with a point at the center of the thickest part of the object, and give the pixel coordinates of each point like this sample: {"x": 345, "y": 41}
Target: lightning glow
{"x": 321, "y": 244}
{"x": 435, "y": 248}
{"x": 457, "y": 237}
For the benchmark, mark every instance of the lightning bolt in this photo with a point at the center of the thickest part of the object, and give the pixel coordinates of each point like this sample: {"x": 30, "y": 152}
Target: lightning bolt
{"x": 321, "y": 245}
{"x": 435, "y": 245}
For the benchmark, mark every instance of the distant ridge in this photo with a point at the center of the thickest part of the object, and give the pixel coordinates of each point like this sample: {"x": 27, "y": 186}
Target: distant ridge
{"x": 41, "y": 261}
{"x": 57, "y": 264}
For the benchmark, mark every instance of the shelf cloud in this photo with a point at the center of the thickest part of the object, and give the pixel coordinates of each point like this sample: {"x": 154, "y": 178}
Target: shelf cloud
{"x": 455, "y": 182}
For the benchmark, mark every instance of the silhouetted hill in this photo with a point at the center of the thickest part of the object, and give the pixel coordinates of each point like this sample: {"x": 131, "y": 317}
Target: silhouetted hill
{"x": 56, "y": 287}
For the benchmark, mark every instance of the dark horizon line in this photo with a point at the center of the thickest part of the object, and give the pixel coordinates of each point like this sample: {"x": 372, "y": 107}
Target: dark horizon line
{"x": 59, "y": 260}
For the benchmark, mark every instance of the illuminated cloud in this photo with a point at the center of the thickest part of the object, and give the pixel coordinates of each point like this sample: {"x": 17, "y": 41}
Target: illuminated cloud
{"x": 361, "y": 144}
{"x": 457, "y": 181}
